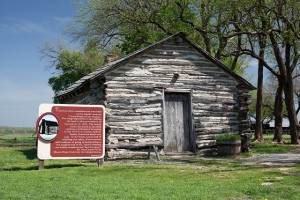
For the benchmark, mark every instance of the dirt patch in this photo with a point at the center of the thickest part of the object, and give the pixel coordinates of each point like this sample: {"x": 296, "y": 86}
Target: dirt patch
{"x": 273, "y": 159}
{"x": 291, "y": 173}
{"x": 297, "y": 150}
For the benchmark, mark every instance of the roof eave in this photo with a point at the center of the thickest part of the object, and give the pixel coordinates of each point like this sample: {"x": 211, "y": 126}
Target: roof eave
{"x": 110, "y": 66}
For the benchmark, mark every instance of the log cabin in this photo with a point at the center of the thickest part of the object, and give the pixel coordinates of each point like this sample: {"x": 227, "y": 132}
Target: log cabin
{"x": 171, "y": 95}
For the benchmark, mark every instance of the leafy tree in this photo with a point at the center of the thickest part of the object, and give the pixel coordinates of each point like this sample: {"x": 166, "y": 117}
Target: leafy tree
{"x": 271, "y": 29}
{"x": 262, "y": 29}
{"x": 268, "y": 106}
{"x": 138, "y": 23}
{"x": 69, "y": 65}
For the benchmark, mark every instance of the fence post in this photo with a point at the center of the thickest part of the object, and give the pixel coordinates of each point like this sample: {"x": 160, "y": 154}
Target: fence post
{"x": 41, "y": 164}
{"x": 100, "y": 162}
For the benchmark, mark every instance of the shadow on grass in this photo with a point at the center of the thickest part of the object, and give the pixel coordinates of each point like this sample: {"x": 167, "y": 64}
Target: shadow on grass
{"x": 128, "y": 159}
{"x": 59, "y": 166}
{"x": 51, "y": 166}
{"x": 30, "y": 154}
{"x": 21, "y": 168}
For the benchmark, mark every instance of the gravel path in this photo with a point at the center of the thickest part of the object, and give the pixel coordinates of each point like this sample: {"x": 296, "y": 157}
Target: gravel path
{"x": 287, "y": 158}
{"x": 275, "y": 158}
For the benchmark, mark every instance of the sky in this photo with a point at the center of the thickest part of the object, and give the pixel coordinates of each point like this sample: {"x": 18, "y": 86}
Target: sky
{"x": 25, "y": 25}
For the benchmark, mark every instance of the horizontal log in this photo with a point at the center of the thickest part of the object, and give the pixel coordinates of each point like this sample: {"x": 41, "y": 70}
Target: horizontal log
{"x": 136, "y": 145}
{"x": 135, "y": 130}
{"x": 211, "y": 119}
{"x": 133, "y": 136}
{"x": 145, "y": 121}
{"x": 127, "y": 105}
{"x": 152, "y": 132}
{"x": 140, "y": 69}
{"x": 205, "y": 143}
{"x": 214, "y": 131}
{"x": 216, "y": 118}
{"x": 172, "y": 61}
{"x": 130, "y": 112}
{"x": 206, "y": 137}
{"x": 214, "y": 100}
{"x": 211, "y": 125}
{"x": 131, "y": 91}
{"x": 207, "y": 126}
{"x": 216, "y": 112}
{"x": 184, "y": 78}
{"x": 138, "y": 66}
{"x": 212, "y": 136}
{"x": 215, "y": 105}
{"x": 220, "y": 94}
{"x": 135, "y": 120}
{"x": 124, "y": 95}
{"x": 152, "y": 85}
{"x": 135, "y": 100}
{"x": 180, "y": 50}
{"x": 208, "y": 130}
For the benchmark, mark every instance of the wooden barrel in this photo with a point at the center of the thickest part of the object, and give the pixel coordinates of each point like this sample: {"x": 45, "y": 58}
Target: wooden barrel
{"x": 229, "y": 148}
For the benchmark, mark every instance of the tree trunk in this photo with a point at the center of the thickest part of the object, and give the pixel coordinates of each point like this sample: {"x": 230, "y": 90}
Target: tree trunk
{"x": 289, "y": 97}
{"x": 258, "y": 135}
{"x": 290, "y": 106}
{"x": 286, "y": 73}
{"x": 278, "y": 112}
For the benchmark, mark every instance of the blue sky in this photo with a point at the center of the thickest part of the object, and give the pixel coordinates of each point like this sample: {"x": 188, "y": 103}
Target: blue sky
{"x": 24, "y": 26}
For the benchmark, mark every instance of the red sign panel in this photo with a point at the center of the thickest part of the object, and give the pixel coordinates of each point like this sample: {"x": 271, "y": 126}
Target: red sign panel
{"x": 67, "y": 131}
{"x": 80, "y": 132}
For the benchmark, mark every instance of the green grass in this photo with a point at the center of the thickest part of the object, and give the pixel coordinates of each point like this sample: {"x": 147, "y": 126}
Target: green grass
{"x": 198, "y": 180}
{"x": 4, "y": 130}
{"x": 21, "y": 140}
{"x": 272, "y": 147}
{"x": 265, "y": 148}
{"x": 194, "y": 178}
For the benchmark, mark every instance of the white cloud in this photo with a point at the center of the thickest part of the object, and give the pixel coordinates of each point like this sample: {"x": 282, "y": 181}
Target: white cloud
{"x": 21, "y": 26}
{"x": 63, "y": 20}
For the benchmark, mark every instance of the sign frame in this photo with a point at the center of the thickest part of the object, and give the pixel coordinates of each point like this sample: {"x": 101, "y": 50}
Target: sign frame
{"x": 71, "y": 118}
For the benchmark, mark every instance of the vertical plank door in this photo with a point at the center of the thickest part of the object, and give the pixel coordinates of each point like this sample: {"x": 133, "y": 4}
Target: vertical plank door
{"x": 177, "y": 123}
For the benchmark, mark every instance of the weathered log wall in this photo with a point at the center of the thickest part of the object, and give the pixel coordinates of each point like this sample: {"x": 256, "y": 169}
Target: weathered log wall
{"x": 134, "y": 93}
{"x": 92, "y": 95}
{"x": 135, "y": 96}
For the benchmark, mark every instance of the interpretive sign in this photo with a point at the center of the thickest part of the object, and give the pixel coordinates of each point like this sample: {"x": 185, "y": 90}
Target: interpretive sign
{"x": 70, "y": 131}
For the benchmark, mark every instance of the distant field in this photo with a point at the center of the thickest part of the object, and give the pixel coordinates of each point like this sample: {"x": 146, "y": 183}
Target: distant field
{"x": 5, "y": 130}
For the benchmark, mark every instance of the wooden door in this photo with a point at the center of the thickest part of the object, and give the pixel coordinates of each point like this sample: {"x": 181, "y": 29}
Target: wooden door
{"x": 177, "y": 130}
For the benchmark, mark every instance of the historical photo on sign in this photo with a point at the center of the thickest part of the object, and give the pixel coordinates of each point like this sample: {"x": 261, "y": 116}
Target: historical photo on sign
{"x": 48, "y": 127}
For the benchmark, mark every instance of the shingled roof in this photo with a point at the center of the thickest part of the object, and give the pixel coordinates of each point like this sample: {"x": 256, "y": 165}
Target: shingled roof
{"x": 112, "y": 65}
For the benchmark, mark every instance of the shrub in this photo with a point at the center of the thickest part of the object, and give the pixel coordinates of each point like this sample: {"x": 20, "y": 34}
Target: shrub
{"x": 9, "y": 130}
{"x": 227, "y": 137}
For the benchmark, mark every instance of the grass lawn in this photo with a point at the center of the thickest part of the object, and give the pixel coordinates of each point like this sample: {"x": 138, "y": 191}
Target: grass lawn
{"x": 194, "y": 178}
{"x": 272, "y": 147}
